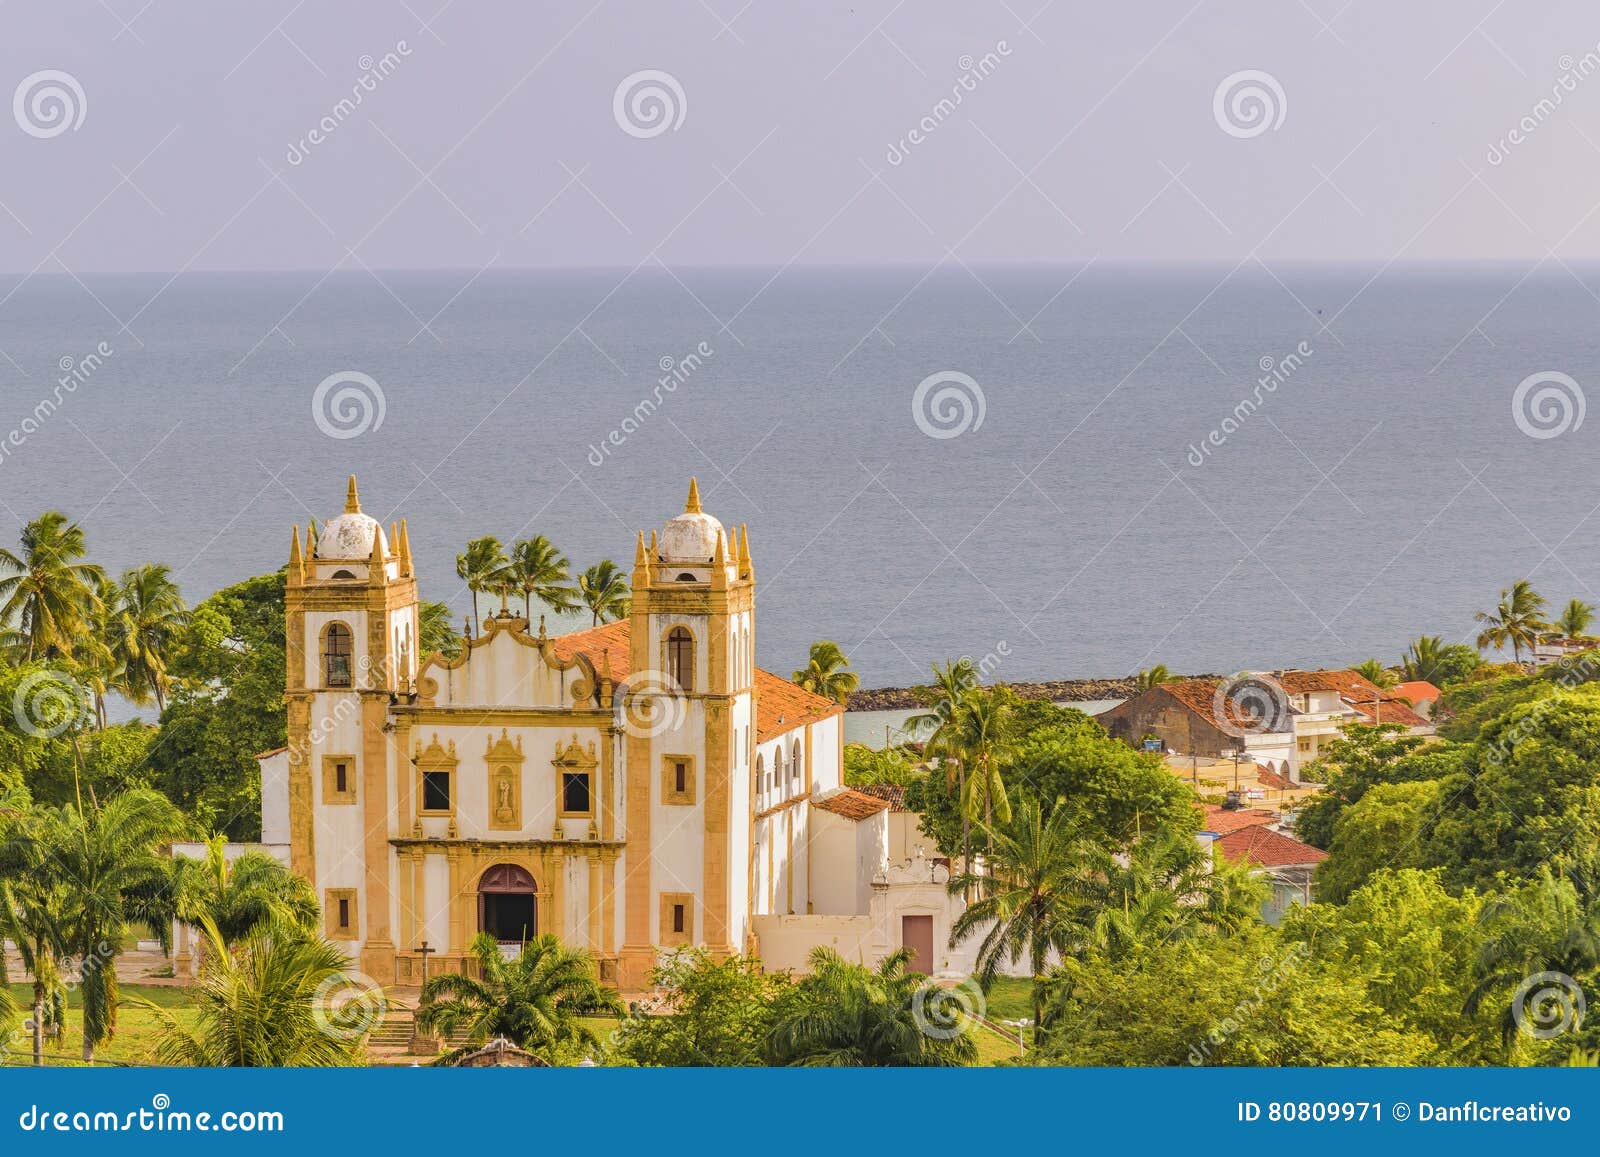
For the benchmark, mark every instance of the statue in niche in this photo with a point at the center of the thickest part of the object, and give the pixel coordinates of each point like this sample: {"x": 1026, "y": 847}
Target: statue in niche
{"x": 504, "y": 807}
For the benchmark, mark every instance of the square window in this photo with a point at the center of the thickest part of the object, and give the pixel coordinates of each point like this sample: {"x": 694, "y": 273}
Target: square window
{"x": 341, "y": 913}
{"x": 677, "y": 919}
{"x": 436, "y": 791}
{"x": 338, "y": 779}
{"x": 576, "y": 795}
{"x": 677, "y": 779}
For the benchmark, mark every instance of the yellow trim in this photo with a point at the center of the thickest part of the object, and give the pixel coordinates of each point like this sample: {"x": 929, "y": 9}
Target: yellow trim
{"x": 330, "y": 790}
{"x": 436, "y": 759}
{"x": 330, "y": 908}
{"x": 503, "y": 760}
{"x": 669, "y": 790}
{"x": 666, "y": 937}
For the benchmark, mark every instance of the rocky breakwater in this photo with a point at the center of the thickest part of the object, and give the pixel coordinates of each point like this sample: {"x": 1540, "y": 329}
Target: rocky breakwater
{"x": 1055, "y": 690}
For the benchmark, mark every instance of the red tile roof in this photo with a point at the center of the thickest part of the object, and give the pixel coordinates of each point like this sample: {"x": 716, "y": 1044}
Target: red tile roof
{"x": 1416, "y": 691}
{"x": 1388, "y": 711}
{"x": 1268, "y": 849}
{"x": 781, "y": 706}
{"x": 1269, "y": 778}
{"x": 1200, "y": 696}
{"x": 893, "y": 793}
{"x": 853, "y": 805}
{"x": 1222, "y": 821}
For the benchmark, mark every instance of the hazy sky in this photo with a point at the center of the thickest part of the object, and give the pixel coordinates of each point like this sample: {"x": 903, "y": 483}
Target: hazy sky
{"x": 493, "y": 139}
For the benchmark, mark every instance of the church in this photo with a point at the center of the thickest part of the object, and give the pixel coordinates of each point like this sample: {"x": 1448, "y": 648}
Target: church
{"x": 631, "y": 788}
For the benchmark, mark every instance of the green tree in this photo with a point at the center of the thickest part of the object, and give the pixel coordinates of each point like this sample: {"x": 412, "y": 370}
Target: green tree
{"x": 1383, "y": 830}
{"x": 1375, "y": 673}
{"x": 109, "y": 859}
{"x": 47, "y": 590}
{"x": 827, "y": 673}
{"x": 1432, "y": 660}
{"x": 1575, "y": 618}
{"x": 863, "y": 765}
{"x": 981, "y": 739}
{"x": 539, "y": 570}
{"x": 1366, "y": 754}
{"x": 848, "y": 1015}
{"x": 150, "y": 615}
{"x": 604, "y": 591}
{"x": 481, "y": 568}
{"x": 1412, "y": 946}
{"x": 718, "y": 1013}
{"x": 33, "y": 912}
{"x": 537, "y": 1002}
{"x": 1517, "y": 619}
{"x": 435, "y": 632}
{"x": 254, "y": 891}
{"x": 227, "y": 706}
{"x": 1153, "y": 677}
{"x": 1028, "y": 903}
{"x": 263, "y": 1003}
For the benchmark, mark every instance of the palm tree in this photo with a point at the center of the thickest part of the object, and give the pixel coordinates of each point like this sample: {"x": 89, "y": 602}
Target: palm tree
{"x": 49, "y": 591}
{"x": 484, "y": 559}
{"x": 826, "y": 673}
{"x": 108, "y": 857}
{"x": 1425, "y": 657}
{"x": 32, "y": 912}
{"x": 955, "y": 679}
{"x": 537, "y": 1001}
{"x": 1027, "y": 902}
{"x": 539, "y": 570}
{"x": 1153, "y": 677}
{"x": 434, "y": 630}
{"x": 1375, "y": 673}
{"x": 850, "y": 1015}
{"x": 980, "y": 737}
{"x": 604, "y": 590}
{"x": 1575, "y": 619}
{"x": 263, "y": 1003}
{"x": 150, "y": 615}
{"x": 99, "y": 665}
{"x": 1517, "y": 619}
{"x": 252, "y": 892}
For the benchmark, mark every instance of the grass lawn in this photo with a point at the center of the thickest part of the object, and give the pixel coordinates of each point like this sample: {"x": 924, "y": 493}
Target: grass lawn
{"x": 138, "y": 1028}
{"x": 1010, "y": 998}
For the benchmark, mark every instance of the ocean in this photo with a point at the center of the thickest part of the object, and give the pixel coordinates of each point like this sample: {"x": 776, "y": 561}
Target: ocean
{"x": 1206, "y": 467}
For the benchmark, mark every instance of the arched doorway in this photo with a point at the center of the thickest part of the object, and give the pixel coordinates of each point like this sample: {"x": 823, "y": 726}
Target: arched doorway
{"x": 507, "y": 907}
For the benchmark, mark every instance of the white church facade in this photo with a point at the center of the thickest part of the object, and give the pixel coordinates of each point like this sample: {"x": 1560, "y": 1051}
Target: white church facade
{"x": 633, "y": 787}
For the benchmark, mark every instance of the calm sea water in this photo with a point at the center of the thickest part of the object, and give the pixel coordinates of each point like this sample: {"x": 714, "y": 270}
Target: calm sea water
{"x": 1381, "y": 490}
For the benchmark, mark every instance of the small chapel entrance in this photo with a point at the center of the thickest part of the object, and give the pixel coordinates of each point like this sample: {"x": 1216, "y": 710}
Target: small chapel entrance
{"x": 507, "y": 907}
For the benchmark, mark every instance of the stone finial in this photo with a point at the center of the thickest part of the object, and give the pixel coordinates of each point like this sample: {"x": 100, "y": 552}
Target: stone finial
{"x": 352, "y": 500}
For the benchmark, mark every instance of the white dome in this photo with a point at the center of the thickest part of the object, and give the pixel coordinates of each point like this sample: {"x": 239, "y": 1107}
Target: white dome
{"x": 690, "y": 538}
{"x": 350, "y": 537}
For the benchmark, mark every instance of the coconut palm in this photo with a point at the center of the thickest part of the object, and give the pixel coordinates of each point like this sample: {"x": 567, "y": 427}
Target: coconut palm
{"x": 605, "y": 592}
{"x": 538, "y": 570}
{"x": 950, "y": 683}
{"x": 150, "y": 613}
{"x": 1575, "y": 618}
{"x": 1375, "y": 673}
{"x": 47, "y": 591}
{"x": 851, "y": 1016}
{"x": 263, "y": 1002}
{"x": 435, "y": 632}
{"x": 32, "y": 913}
{"x": 108, "y": 856}
{"x": 1027, "y": 904}
{"x": 1153, "y": 677}
{"x": 97, "y": 662}
{"x": 980, "y": 736}
{"x": 1517, "y": 619}
{"x": 537, "y": 1001}
{"x": 253, "y": 891}
{"x": 484, "y": 559}
{"x": 826, "y": 673}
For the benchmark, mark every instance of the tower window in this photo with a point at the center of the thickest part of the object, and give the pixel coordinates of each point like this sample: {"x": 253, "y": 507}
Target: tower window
{"x": 686, "y": 577}
{"x": 338, "y": 779}
{"x": 337, "y": 647}
{"x": 680, "y": 657}
{"x": 677, "y": 779}
{"x": 677, "y": 919}
{"x": 341, "y": 908}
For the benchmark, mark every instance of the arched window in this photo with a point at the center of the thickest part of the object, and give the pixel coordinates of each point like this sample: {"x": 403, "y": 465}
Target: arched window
{"x": 336, "y": 654}
{"x": 680, "y": 657}
{"x": 777, "y": 771}
{"x": 759, "y": 789}
{"x": 794, "y": 766}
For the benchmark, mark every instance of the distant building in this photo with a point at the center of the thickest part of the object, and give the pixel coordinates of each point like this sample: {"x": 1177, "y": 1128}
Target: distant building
{"x": 1420, "y": 694}
{"x": 1287, "y": 864}
{"x": 1548, "y": 651}
{"x": 1281, "y": 721}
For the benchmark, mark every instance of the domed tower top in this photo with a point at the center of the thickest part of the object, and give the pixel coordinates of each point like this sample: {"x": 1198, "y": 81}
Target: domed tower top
{"x": 351, "y": 534}
{"x": 690, "y": 539}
